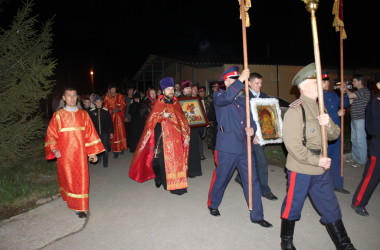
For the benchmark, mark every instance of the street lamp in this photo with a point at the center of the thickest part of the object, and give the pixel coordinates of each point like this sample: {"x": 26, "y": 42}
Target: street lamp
{"x": 92, "y": 79}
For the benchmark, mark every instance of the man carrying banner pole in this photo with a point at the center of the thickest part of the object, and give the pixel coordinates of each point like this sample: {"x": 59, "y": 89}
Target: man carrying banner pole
{"x": 307, "y": 166}
{"x": 339, "y": 26}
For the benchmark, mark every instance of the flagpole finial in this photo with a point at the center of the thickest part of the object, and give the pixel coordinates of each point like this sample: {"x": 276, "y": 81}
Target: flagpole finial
{"x": 311, "y": 5}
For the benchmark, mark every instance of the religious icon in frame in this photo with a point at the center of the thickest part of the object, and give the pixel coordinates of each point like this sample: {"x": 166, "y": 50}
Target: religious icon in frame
{"x": 194, "y": 111}
{"x": 266, "y": 113}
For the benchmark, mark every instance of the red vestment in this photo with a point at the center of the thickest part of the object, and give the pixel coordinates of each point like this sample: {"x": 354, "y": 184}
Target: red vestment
{"x": 175, "y": 130}
{"x": 74, "y": 135}
{"x": 119, "y": 140}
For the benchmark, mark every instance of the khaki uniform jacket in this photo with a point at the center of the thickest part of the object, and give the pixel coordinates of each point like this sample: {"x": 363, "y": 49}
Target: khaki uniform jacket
{"x": 300, "y": 159}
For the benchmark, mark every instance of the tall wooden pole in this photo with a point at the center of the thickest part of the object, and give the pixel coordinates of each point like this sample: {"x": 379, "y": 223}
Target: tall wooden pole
{"x": 247, "y": 110}
{"x": 341, "y": 102}
{"x": 312, "y": 6}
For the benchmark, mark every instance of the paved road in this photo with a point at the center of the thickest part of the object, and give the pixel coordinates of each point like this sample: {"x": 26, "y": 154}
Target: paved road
{"x": 130, "y": 215}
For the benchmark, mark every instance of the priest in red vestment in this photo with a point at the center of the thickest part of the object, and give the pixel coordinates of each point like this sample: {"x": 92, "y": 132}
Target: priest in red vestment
{"x": 116, "y": 105}
{"x": 163, "y": 150}
{"x": 70, "y": 138}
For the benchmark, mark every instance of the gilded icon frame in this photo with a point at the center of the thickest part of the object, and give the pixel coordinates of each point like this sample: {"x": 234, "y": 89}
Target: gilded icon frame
{"x": 266, "y": 113}
{"x": 194, "y": 111}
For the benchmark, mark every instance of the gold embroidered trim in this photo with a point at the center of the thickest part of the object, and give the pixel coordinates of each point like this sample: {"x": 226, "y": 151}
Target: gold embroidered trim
{"x": 49, "y": 142}
{"x": 92, "y": 143}
{"x": 71, "y": 129}
{"x": 118, "y": 141}
{"x": 74, "y": 195}
{"x": 176, "y": 175}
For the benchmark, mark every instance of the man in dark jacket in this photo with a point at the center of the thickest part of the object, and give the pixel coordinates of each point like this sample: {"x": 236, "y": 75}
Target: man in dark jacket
{"x": 103, "y": 124}
{"x": 255, "y": 82}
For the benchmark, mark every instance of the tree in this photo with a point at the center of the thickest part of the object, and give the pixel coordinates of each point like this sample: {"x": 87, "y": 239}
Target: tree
{"x": 26, "y": 68}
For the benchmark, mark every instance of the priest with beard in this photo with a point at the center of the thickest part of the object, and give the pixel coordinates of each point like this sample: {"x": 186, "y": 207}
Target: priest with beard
{"x": 163, "y": 149}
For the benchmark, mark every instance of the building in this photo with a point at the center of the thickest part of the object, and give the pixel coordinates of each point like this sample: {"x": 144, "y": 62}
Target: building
{"x": 205, "y": 70}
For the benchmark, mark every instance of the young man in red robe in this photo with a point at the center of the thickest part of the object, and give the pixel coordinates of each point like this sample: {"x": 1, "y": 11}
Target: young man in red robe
{"x": 163, "y": 150}
{"x": 71, "y": 138}
{"x": 116, "y": 105}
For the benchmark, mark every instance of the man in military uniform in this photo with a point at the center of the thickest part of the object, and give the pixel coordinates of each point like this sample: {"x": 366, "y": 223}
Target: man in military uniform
{"x": 335, "y": 111}
{"x": 371, "y": 175}
{"x": 231, "y": 145}
{"x": 308, "y": 171}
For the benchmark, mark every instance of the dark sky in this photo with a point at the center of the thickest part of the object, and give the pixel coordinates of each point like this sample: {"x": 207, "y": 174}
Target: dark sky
{"x": 115, "y": 37}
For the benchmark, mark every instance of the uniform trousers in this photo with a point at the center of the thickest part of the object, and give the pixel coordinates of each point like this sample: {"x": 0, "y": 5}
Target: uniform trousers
{"x": 321, "y": 192}
{"x": 334, "y": 153}
{"x": 226, "y": 163}
{"x": 368, "y": 184}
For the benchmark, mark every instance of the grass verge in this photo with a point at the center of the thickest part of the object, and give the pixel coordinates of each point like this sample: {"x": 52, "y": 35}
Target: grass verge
{"x": 22, "y": 185}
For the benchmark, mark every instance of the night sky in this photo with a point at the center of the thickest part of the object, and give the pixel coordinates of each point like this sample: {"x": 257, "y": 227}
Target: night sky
{"x": 115, "y": 37}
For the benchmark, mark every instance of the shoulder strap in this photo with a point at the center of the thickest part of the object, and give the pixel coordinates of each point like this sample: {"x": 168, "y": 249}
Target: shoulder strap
{"x": 304, "y": 140}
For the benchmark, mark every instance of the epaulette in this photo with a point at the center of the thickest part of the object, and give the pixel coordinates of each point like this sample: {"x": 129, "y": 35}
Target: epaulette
{"x": 105, "y": 109}
{"x": 92, "y": 109}
{"x": 296, "y": 103}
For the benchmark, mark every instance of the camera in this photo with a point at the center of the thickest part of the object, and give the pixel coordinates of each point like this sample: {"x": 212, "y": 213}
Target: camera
{"x": 337, "y": 84}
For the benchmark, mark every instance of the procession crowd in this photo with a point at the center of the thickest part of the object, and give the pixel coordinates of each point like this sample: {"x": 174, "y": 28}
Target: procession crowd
{"x": 165, "y": 129}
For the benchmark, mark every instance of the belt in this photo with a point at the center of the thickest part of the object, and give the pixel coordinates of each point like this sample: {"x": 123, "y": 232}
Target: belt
{"x": 315, "y": 151}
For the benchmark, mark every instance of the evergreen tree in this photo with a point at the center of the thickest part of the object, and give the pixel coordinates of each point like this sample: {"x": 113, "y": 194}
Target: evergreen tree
{"x": 26, "y": 68}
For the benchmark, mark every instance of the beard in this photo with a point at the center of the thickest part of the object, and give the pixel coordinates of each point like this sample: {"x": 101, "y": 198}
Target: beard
{"x": 169, "y": 96}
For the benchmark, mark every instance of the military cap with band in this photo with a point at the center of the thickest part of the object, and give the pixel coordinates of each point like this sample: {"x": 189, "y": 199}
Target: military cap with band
{"x": 307, "y": 72}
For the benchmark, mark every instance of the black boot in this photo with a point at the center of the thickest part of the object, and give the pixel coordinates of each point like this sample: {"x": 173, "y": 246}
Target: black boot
{"x": 339, "y": 236}
{"x": 287, "y": 230}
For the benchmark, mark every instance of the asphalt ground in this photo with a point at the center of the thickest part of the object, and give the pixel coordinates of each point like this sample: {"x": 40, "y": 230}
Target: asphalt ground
{"x": 125, "y": 214}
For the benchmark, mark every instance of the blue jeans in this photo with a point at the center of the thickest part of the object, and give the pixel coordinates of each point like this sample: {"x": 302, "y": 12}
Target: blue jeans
{"x": 358, "y": 141}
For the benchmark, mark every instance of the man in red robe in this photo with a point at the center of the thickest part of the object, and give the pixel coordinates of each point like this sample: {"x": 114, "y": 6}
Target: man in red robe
{"x": 116, "y": 105}
{"x": 163, "y": 150}
{"x": 70, "y": 138}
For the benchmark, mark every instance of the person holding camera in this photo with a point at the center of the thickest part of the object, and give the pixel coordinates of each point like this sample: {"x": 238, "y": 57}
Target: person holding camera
{"x": 359, "y": 100}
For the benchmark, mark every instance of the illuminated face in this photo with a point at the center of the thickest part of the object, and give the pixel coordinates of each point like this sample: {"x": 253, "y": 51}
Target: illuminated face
{"x": 313, "y": 88}
{"x": 169, "y": 93}
{"x": 202, "y": 93}
{"x": 177, "y": 87}
{"x": 356, "y": 83}
{"x": 256, "y": 84}
{"x": 86, "y": 103}
{"x": 187, "y": 91}
{"x": 229, "y": 81}
{"x": 112, "y": 91}
{"x": 152, "y": 93}
{"x": 70, "y": 97}
{"x": 194, "y": 91}
{"x": 98, "y": 103}
{"x": 130, "y": 92}
{"x": 325, "y": 84}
